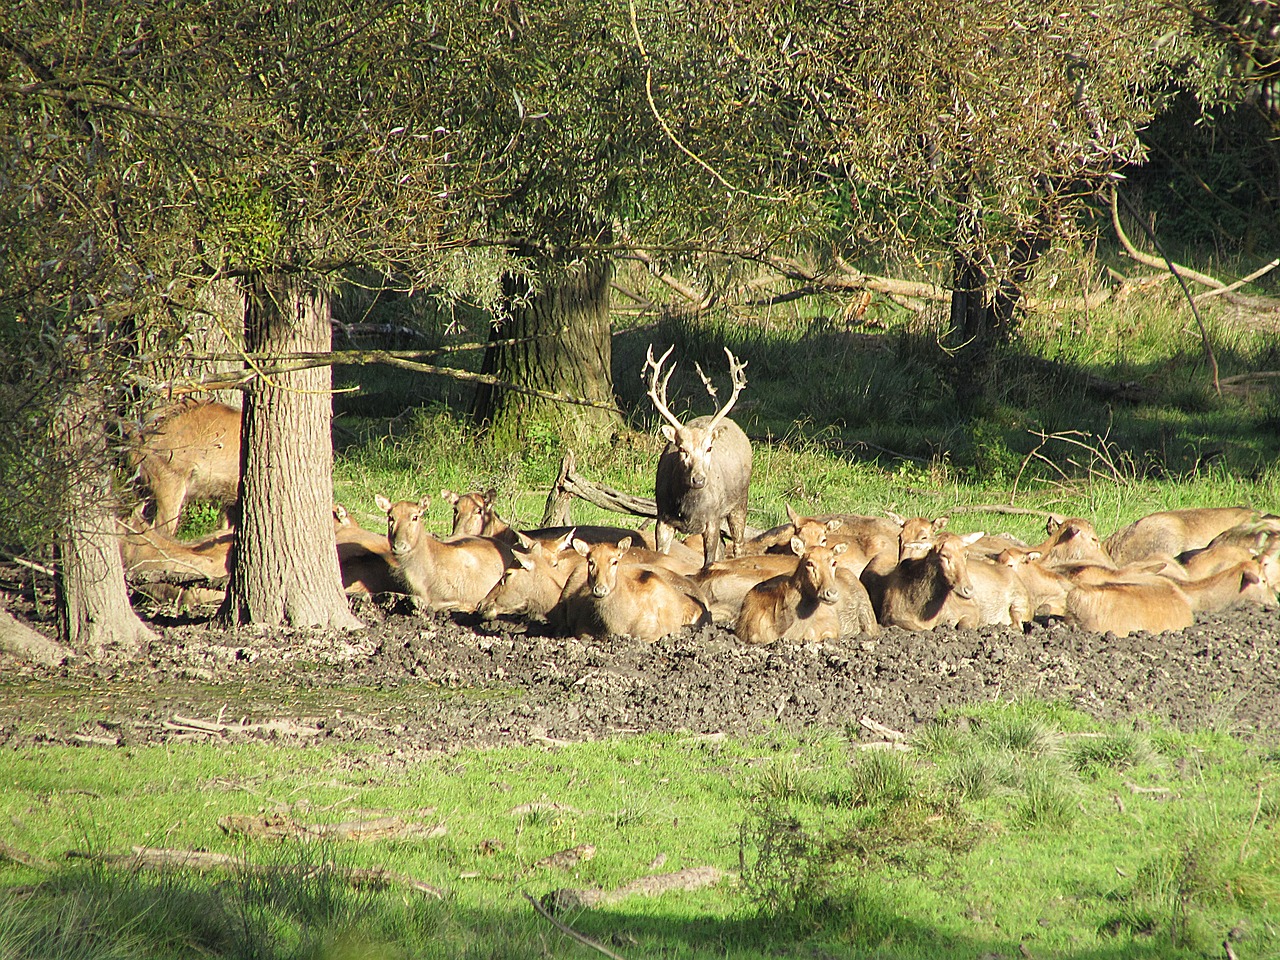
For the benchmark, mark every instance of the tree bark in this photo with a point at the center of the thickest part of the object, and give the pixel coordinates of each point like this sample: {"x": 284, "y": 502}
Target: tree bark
{"x": 284, "y": 568}
{"x": 565, "y": 348}
{"x": 94, "y": 615}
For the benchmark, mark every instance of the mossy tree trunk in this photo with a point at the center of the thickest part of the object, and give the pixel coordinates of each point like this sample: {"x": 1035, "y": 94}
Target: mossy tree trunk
{"x": 285, "y": 569}
{"x": 564, "y": 348}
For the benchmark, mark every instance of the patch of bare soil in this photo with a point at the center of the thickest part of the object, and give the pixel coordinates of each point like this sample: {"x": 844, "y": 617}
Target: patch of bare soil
{"x": 411, "y": 685}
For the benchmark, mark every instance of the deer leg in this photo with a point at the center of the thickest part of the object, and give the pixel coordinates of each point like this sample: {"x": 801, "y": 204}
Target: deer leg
{"x": 737, "y": 519}
{"x": 663, "y": 534}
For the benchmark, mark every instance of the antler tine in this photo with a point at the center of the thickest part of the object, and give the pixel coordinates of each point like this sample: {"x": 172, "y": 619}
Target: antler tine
{"x": 736, "y": 372}
{"x": 658, "y": 387}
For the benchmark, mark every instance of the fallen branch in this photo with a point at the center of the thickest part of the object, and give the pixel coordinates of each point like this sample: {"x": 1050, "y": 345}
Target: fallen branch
{"x": 1178, "y": 272}
{"x": 193, "y": 725}
{"x": 876, "y": 727}
{"x": 203, "y": 861}
{"x": 691, "y": 878}
{"x": 8, "y": 852}
{"x": 21, "y": 641}
{"x": 568, "y": 931}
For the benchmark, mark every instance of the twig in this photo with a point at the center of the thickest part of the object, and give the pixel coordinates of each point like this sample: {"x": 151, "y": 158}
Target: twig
{"x": 876, "y": 726}
{"x": 564, "y": 928}
{"x": 1177, "y": 272}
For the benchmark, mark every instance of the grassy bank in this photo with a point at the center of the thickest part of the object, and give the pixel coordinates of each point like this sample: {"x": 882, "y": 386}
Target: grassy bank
{"x": 1015, "y": 827}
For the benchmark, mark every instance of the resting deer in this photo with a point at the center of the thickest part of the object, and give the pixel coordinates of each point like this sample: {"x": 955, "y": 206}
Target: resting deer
{"x": 705, "y": 470}
{"x": 1171, "y": 532}
{"x": 440, "y": 575}
{"x": 819, "y": 600}
{"x": 631, "y": 599}
{"x": 192, "y": 453}
{"x": 1155, "y": 606}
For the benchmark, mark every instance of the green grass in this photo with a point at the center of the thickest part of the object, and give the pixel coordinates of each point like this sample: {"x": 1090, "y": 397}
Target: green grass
{"x": 1093, "y": 841}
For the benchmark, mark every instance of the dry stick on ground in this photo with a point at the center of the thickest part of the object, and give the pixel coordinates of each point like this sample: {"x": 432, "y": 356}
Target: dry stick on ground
{"x": 160, "y": 858}
{"x": 564, "y": 928}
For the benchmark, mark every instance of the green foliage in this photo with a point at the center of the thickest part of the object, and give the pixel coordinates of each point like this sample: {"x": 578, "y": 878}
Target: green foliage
{"x": 243, "y": 223}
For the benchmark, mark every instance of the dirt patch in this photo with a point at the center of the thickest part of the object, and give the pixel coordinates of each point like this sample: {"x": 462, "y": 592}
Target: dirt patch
{"x": 410, "y": 685}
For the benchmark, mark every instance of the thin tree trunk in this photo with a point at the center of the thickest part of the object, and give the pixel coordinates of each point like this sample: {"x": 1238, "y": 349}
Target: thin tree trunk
{"x": 285, "y": 568}
{"x": 565, "y": 348}
{"x": 94, "y": 615}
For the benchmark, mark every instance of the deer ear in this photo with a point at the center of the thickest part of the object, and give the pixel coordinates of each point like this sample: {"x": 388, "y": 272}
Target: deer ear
{"x": 940, "y": 523}
{"x": 797, "y": 546}
{"x": 340, "y": 513}
{"x": 839, "y": 548}
{"x": 669, "y": 432}
{"x": 449, "y": 496}
{"x": 524, "y": 560}
{"x": 835, "y": 524}
{"x": 624, "y": 543}
{"x": 1250, "y": 575}
{"x": 426, "y": 499}
{"x": 899, "y": 520}
{"x": 1052, "y": 524}
{"x": 383, "y": 503}
{"x": 581, "y": 547}
{"x": 793, "y": 516}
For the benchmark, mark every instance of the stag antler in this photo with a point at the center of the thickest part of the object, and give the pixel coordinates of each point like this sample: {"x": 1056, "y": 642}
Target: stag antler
{"x": 736, "y": 368}
{"x": 658, "y": 388}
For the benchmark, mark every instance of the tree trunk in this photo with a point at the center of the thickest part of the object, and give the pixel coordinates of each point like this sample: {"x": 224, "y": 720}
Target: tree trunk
{"x": 565, "y": 349}
{"x": 94, "y": 614}
{"x": 983, "y": 315}
{"x": 284, "y": 568}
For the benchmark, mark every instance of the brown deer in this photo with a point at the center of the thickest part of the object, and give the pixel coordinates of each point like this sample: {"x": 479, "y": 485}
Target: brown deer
{"x": 149, "y": 552}
{"x": 440, "y": 575}
{"x": 1239, "y": 585}
{"x": 364, "y": 557}
{"x": 471, "y": 512}
{"x": 1071, "y": 541}
{"x": 190, "y": 454}
{"x": 725, "y": 583}
{"x": 1046, "y": 589}
{"x": 778, "y": 539}
{"x": 1155, "y": 606}
{"x": 933, "y": 590}
{"x": 1172, "y": 532}
{"x": 631, "y": 599}
{"x": 819, "y": 600}
{"x": 705, "y": 470}
{"x": 1245, "y": 541}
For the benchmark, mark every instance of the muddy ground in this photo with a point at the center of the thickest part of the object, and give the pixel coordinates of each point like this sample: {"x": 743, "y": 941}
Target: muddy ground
{"x": 413, "y": 685}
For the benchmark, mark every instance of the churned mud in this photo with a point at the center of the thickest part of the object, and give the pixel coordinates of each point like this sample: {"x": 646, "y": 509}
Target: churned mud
{"x": 411, "y": 685}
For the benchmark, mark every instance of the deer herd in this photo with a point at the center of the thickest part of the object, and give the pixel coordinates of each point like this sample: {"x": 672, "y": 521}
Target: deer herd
{"x": 812, "y": 578}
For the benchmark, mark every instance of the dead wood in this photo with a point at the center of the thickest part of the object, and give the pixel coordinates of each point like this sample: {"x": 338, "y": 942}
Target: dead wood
{"x": 12, "y": 853}
{"x": 280, "y": 826}
{"x": 567, "y": 859}
{"x": 567, "y": 930}
{"x": 21, "y": 641}
{"x": 691, "y": 878}
{"x": 203, "y": 861}
{"x": 288, "y": 727}
{"x": 876, "y": 727}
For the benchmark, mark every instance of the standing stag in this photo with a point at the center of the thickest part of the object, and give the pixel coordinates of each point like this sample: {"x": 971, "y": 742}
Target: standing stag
{"x": 705, "y": 469}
